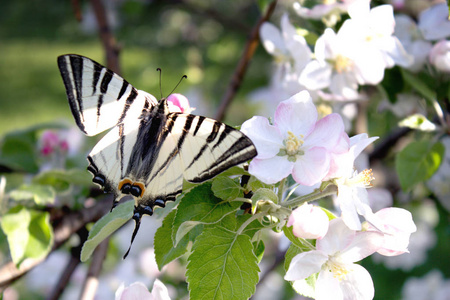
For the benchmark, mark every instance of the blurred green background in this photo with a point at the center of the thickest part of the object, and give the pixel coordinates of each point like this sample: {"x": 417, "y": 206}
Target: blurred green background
{"x": 203, "y": 40}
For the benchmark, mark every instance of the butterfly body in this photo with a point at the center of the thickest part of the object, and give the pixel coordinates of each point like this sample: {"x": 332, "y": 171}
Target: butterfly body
{"x": 149, "y": 150}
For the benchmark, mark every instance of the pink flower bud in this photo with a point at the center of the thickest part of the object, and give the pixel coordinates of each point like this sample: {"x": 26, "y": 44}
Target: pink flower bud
{"x": 178, "y": 103}
{"x": 440, "y": 56}
{"x": 309, "y": 222}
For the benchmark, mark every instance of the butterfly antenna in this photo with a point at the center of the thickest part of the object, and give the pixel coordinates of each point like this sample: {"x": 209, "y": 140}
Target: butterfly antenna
{"x": 160, "y": 89}
{"x": 181, "y": 79}
{"x": 137, "y": 218}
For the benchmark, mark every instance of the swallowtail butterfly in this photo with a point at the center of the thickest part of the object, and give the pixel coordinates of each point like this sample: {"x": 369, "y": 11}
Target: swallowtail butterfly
{"x": 149, "y": 149}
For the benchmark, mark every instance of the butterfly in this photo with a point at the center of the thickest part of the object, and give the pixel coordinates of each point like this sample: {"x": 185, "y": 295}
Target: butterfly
{"x": 149, "y": 150}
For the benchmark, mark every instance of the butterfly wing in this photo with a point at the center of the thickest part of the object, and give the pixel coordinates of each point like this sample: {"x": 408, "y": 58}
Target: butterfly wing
{"x": 195, "y": 148}
{"x": 99, "y": 98}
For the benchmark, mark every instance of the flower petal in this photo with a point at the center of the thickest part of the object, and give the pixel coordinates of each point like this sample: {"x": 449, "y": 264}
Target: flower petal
{"x": 305, "y": 264}
{"x": 328, "y": 287}
{"x": 159, "y": 291}
{"x": 264, "y": 136}
{"x": 327, "y": 132}
{"x": 271, "y": 39}
{"x": 338, "y": 237}
{"x": 311, "y": 167}
{"x": 358, "y": 284}
{"x": 271, "y": 170}
{"x": 296, "y": 114}
{"x": 363, "y": 244}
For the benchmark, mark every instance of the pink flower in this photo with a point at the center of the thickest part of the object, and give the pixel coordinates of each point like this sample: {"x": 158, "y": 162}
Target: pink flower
{"x": 178, "y": 103}
{"x": 440, "y": 56}
{"x": 309, "y": 222}
{"x": 295, "y": 144}
{"x": 51, "y": 142}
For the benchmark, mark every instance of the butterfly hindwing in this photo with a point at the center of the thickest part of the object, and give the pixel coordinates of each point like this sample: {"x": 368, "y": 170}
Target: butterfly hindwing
{"x": 99, "y": 98}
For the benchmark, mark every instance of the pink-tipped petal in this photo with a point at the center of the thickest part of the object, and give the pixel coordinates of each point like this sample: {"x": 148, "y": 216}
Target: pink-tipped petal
{"x": 264, "y": 136}
{"x": 297, "y": 114}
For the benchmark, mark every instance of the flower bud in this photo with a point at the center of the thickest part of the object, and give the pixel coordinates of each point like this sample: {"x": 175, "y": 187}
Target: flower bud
{"x": 309, "y": 222}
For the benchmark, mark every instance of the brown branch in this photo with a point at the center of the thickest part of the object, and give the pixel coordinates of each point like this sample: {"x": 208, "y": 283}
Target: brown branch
{"x": 109, "y": 42}
{"x": 243, "y": 63}
{"x": 91, "y": 282}
{"x": 62, "y": 231}
{"x": 72, "y": 264}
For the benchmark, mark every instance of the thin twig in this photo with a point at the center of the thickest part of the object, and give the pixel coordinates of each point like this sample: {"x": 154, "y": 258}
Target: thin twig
{"x": 242, "y": 66}
{"x": 72, "y": 264}
{"x": 91, "y": 282}
{"x": 62, "y": 231}
{"x": 109, "y": 42}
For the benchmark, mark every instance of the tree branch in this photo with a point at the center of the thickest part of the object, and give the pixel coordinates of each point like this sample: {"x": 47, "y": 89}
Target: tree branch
{"x": 91, "y": 282}
{"x": 109, "y": 42}
{"x": 242, "y": 66}
{"x": 62, "y": 231}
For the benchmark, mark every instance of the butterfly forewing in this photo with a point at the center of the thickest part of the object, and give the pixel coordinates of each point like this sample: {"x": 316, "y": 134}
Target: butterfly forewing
{"x": 99, "y": 98}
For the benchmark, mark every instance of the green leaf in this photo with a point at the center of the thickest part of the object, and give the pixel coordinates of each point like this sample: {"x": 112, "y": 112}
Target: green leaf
{"x": 305, "y": 287}
{"x": 222, "y": 266}
{"x": 417, "y": 162}
{"x": 298, "y": 242}
{"x": 105, "y": 226}
{"x": 40, "y": 194}
{"x": 165, "y": 251}
{"x": 258, "y": 249}
{"x": 61, "y": 180}
{"x": 225, "y": 188}
{"x": 29, "y": 233}
{"x": 200, "y": 204}
{"x": 416, "y": 83}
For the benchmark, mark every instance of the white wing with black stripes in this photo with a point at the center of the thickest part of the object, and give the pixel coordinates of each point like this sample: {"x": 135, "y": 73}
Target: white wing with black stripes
{"x": 149, "y": 150}
{"x": 99, "y": 98}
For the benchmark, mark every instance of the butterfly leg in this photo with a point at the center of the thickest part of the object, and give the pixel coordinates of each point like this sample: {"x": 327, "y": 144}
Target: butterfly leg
{"x": 139, "y": 211}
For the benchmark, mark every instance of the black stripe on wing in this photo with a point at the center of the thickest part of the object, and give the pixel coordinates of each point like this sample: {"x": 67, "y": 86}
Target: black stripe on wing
{"x": 76, "y": 68}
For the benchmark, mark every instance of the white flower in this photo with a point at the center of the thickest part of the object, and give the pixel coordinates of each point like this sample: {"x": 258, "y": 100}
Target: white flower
{"x": 397, "y": 225}
{"x": 352, "y": 197}
{"x": 329, "y": 11}
{"x": 290, "y": 51}
{"x": 412, "y": 39}
{"x": 138, "y": 291}
{"x": 339, "y": 278}
{"x": 432, "y": 287}
{"x": 341, "y": 65}
{"x": 374, "y": 28}
{"x": 434, "y": 23}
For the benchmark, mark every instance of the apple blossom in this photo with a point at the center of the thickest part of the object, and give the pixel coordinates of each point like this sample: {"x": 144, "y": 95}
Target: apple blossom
{"x": 434, "y": 22}
{"x": 178, "y": 103}
{"x": 341, "y": 65}
{"x": 321, "y": 10}
{"x": 309, "y": 222}
{"x": 373, "y": 29}
{"x": 333, "y": 259}
{"x": 412, "y": 40}
{"x": 290, "y": 51}
{"x": 138, "y": 291}
{"x": 397, "y": 225}
{"x": 295, "y": 144}
{"x": 440, "y": 56}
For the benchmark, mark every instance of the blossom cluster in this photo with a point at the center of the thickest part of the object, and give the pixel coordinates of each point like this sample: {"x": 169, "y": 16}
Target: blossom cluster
{"x": 311, "y": 147}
